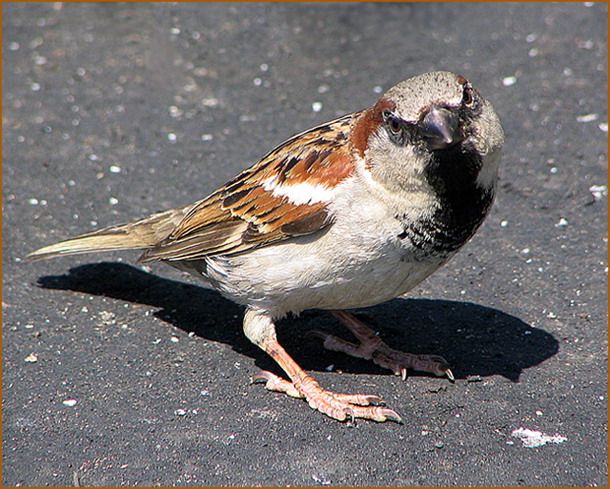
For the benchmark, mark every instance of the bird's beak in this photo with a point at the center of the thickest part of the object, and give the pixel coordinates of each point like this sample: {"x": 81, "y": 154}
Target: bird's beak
{"x": 441, "y": 128}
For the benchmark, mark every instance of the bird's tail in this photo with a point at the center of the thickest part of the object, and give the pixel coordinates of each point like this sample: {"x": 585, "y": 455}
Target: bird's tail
{"x": 141, "y": 234}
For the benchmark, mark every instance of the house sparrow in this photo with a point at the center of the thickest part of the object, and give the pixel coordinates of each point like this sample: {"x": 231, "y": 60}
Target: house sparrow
{"x": 348, "y": 214}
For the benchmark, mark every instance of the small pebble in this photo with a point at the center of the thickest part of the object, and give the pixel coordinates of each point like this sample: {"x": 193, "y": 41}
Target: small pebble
{"x": 598, "y": 191}
{"x": 585, "y": 44}
{"x": 562, "y": 223}
{"x": 175, "y": 111}
{"x": 587, "y": 117}
{"x": 210, "y": 102}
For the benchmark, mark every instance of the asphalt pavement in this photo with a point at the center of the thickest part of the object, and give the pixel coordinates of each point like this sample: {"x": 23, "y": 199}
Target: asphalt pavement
{"x": 119, "y": 375}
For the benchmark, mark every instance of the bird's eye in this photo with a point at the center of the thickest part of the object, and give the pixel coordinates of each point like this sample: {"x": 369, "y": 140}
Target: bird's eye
{"x": 468, "y": 97}
{"x": 394, "y": 126}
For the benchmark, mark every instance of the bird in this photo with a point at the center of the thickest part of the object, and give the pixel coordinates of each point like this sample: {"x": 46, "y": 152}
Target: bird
{"x": 349, "y": 214}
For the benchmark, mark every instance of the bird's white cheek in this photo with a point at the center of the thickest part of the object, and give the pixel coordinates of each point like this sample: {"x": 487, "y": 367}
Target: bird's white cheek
{"x": 396, "y": 168}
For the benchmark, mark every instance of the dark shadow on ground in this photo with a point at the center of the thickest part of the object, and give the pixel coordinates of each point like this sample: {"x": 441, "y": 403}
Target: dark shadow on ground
{"x": 476, "y": 340}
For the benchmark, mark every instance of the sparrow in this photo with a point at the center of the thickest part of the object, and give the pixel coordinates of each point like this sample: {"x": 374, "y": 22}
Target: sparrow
{"x": 349, "y": 214}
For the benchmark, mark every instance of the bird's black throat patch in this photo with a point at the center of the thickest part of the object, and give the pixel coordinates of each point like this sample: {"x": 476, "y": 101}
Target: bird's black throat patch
{"x": 452, "y": 174}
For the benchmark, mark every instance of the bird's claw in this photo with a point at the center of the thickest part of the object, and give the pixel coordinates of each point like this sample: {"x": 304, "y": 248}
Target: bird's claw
{"x": 275, "y": 383}
{"x": 372, "y": 348}
{"x": 343, "y": 407}
{"x": 449, "y": 375}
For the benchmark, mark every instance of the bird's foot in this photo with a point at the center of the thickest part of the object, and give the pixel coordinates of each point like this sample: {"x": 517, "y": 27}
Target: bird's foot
{"x": 338, "y": 406}
{"x": 371, "y": 347}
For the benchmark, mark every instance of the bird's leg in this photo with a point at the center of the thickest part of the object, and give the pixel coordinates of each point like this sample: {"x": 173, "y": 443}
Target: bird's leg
{"x": 260, "y": 330}
{"x": 372, "y": 348}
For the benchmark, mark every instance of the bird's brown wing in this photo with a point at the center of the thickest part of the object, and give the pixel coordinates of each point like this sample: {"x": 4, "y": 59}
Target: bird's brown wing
{"x": 285, "y": 194}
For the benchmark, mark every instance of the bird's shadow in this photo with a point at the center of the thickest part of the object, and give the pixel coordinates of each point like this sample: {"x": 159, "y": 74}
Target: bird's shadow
{"x": 476, "y": 340}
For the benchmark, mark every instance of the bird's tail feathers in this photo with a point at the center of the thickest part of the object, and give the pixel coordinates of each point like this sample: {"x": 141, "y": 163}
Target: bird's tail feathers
{"x": 137, "y": 235}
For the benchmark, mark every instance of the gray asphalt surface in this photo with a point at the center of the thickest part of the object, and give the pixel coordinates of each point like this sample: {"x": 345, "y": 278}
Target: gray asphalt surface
{"x": 116, "y": 376}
